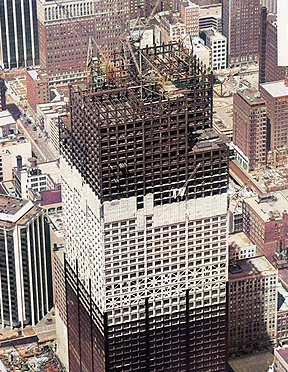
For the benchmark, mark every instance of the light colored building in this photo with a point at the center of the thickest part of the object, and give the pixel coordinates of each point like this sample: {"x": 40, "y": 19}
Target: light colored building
{"x": 26, "y": 280}
{"x": 240, "y": 247}
{"x": 218, "y": 45}
{"x": 189, "y": 13}
{"x": 151, "y": 250}
{"x": 9, "y": 150}
{"x": 48, "y": 115}
{"x": 8, "y": 126}
{"x": 34, "y": 178}
{"x": 271, "y": 5}
{"x": 202, "y": 51}
{"x": 252, "y": 305}
{"x": 276, "y": 97}
{"x": 172, "y": 29}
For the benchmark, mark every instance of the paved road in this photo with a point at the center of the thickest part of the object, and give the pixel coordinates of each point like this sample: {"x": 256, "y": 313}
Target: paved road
{"x": 42, "y": 147}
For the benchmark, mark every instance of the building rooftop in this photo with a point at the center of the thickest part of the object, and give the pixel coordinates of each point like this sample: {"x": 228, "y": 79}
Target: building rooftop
{"x": 14, "y": 209}
{"x": 250, "y": 267}
{"x": 239, "y": 239}
{"x": 283, "y": 352}
{"x": 34, "y": 74}
{"x": 6, "y": 118}
{"x": 275, "y": 88}
{"x": 269, "y": 206}
{"x": 11, "y": 205}
{"x": 51, "y": 196}
{"x": 251, "y": 96}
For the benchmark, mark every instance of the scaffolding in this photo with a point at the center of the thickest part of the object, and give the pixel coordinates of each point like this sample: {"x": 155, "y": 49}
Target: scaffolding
{"x": 143, "y": 124}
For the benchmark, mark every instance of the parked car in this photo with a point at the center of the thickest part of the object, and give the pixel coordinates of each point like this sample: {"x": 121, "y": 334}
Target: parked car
{"x": 35, "y": 128}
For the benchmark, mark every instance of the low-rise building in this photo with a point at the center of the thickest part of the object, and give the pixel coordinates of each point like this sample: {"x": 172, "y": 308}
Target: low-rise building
{"x": 265, "y": 222}
{"x": 8, "y": 126}
{"x": 281, "y": 359}
{"x": 173, "y": 29}
{"x": 202, "y": 51}
{"x": 33, "y": 178}
{"x": 252, "y": 302}
{"x": 218, "y": 45}
{"x": 48, "y": 115}
{"x": 240, "y": 247}
{"x": 9, "y": 150}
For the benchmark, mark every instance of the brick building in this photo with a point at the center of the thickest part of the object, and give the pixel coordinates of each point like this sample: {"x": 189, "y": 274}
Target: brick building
{"x": 249, "y": 126}
{"x": 265, "y": 222}
{"x": 64, "y": 32}
{"x": 276, "y": 97}
{"x": 37, "y": 88}
{"x": 268, "y": 51}
{"x": 252, "y": 305}
{"x": 241, "y": 26}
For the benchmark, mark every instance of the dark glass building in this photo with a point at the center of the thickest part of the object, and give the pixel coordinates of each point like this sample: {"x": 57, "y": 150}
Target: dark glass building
{"x": 25, "y": 263}
{"x": 19, "y": 45}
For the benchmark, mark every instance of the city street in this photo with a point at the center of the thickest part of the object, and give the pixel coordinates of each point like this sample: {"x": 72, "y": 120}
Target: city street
{"x": 41, "y": 145}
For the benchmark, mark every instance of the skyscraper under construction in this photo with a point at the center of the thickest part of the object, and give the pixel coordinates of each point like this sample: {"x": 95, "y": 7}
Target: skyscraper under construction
{"x": 145, "y": 199}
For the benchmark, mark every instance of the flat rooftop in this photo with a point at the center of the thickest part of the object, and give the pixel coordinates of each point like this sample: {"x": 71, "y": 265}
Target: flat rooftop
{"x": 275, "y": 88}
{"x": 251, "y": 96}
{"x": 34, "y": 74}
{"x": 6, "y": 118}
{"x": 10, "y": 205}
{"x": 272, "y": 209}
{"x": 239, "y": 239}
{"x": 283, "y": 352}
{"x": 250, "y": 267}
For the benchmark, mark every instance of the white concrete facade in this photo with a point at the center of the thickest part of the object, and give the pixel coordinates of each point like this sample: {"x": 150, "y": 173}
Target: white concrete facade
{"x": 157, "y": 251}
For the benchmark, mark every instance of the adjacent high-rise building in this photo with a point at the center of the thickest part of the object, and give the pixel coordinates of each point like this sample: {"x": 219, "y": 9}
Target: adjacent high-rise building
{"x": 276, "y": 96}
{"x": 145, "y": 202}
{"x": 270, "y": 5}
{"x": 2, "y": 95}
{"x": 26, "y": 277}
{"x": 249, "y": 126}
{"x": 19, "y": 45}
{"x": 65, "y": 30}
{"x": 252, "y": 305}
{"x": 268, "y": 51}
{"x": 241, "y": 26}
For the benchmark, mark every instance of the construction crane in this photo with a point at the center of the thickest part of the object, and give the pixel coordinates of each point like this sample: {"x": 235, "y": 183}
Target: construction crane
{"x": 181, "y": 191}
